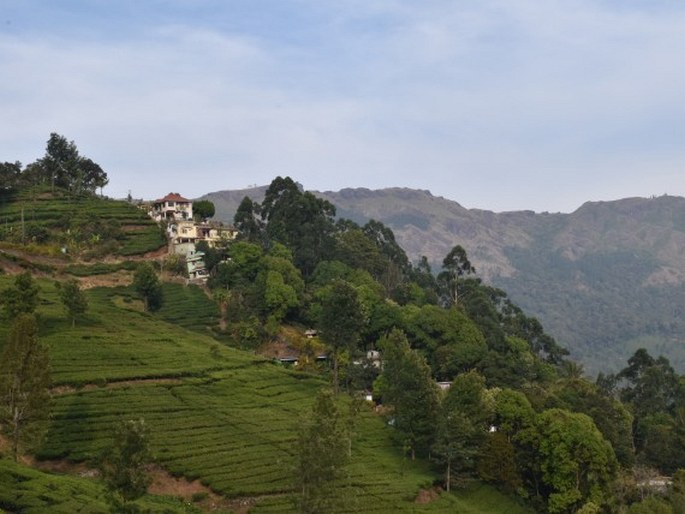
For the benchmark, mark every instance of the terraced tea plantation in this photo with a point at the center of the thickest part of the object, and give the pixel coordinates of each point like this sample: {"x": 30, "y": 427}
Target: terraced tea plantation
{"x": 56, "y": 219}
{"x": 31, "y": 491}
{"x": 220, "y": 415}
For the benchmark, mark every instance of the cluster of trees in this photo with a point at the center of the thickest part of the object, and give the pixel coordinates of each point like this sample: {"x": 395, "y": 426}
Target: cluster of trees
{"x": 518, "y": 413}
{"x": 61, "y": 167}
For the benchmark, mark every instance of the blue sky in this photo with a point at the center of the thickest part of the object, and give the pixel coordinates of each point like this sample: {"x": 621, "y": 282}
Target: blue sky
{"x": 496, "y": 104}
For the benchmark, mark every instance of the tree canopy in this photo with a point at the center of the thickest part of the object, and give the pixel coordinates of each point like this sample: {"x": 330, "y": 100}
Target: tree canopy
{"x": 24, "y": 385}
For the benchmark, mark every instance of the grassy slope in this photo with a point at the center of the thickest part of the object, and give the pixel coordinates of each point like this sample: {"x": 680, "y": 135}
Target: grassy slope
{"x": 221, "y": 415}
{"x": 140, "y": 233}
{"x": 31, "y": 491}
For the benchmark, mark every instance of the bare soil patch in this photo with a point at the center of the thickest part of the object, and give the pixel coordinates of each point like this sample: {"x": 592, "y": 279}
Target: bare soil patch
{"x": 428, "y": 495}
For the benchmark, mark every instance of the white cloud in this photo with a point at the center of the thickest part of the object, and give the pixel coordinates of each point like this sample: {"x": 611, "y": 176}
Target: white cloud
{"x": 494, "y": 104}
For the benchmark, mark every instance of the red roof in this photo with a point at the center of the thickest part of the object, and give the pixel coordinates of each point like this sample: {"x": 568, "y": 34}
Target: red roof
{"x": 172, "y": 197}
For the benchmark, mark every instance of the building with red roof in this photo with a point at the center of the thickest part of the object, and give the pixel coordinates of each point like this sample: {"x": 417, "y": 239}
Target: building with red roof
{"x": 173, "y": 207}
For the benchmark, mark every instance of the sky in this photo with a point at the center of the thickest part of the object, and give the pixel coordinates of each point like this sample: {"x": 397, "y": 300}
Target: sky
{"x": 495, "y": 104}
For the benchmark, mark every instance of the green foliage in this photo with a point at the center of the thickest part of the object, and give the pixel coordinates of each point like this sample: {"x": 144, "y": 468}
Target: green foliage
{"x": 452, "y": 342}
{"x": 22, "y": 297}
{"x": 63, "y": 167}
{"x": 24, "y": 383}
{"x": 651, "y": 505}
{"x": 203, "y": 209}
{"x": 73, "y": 299}
{"x": 455, "y": 265}
{"x": 247, "y": 221}
{"x": 407, "y": 387}
{"x": 341, "y": 322}
{"x": 87, "y": 226}
{"x": 147, "y": 285}
{"x": 123, "y": 465}
{"x": 323, "y": 442}
{"x": 188, "y": 307}
{"x": 462, "y": 425}
{"x": 611, "y": 417}
{"x": 226, "y": 420}
{"x": 31, "y": 491}
{"x": 497, "y": 462}
{"x": 577, "y": 464}
{"x": 300, "y": 221}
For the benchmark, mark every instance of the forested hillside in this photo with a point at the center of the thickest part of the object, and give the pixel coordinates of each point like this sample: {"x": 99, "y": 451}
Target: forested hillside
{"x": 407, "y": 388}
{"x": 604, "y": 280}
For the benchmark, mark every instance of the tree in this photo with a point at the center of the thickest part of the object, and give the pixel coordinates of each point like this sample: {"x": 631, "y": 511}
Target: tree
{"x": 462, "y": 425}
{"x": 323, "y": 453}
{"x": 455, "y": 265}
{"x": 22, "y": 297}
{"x": 577, "y": 463}
{"x": 341, "y": 322}
{"x": 10, "y": 173}
{"x": 146, "y": 284}
{"x": 62, "y": 166}
{"x": 497, "y": 462}
{"x": 73, "y": 299}
{"x": 24, "y": 384}
{"x": 300, "y": 221}
{"x": 124, "y": 465}
{"x": 203, "y": 209}
{"x": 247, "y": 221}
{"x": 407, "y": 387}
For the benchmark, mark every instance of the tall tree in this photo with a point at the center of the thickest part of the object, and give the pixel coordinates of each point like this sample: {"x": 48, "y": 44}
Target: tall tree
{"x": 323, "y": 453}
{"x": 407, "y": 387}
{"x": 22, "y": 297}
{"x": 63, "y": 166}
{"x": 24, "y": 384}
{"x": 146, "y": 284}
{"x": 247, "y": 221}
{"x": 300, "y": 221}
{"x": 73, "y": 299}
{"x": 124, "y": 464}
{"x": 455, "y": 265}
{"x": 576, "y": 462}
{"x": 463, "y": 420}
{"x": 341, "y": 322}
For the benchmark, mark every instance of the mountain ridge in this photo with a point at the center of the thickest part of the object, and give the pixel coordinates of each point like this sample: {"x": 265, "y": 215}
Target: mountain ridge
{"x": 604, "y": 279}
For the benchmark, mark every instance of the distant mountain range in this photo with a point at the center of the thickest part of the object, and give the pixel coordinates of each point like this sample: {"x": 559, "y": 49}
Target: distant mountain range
{"x": 604, "y": 280}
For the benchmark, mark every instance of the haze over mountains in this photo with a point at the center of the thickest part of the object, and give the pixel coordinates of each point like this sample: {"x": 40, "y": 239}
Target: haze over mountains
{"x": 604, "y": 280}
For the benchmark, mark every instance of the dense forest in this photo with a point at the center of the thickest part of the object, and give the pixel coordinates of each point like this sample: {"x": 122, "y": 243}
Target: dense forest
{"x": 467, "y": 382}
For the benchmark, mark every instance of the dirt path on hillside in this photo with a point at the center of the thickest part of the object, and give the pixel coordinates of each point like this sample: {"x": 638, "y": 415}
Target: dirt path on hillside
{"x": 163, "y": 484}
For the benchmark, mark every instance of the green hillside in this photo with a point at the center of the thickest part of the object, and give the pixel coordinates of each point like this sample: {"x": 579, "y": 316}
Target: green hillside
{"x": 220, "y": 415}
{"x": 86, "y": 225}
{"x": 604, "y": 280}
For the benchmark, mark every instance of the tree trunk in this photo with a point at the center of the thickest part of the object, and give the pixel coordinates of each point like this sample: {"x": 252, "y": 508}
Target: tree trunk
{"x": 335, "y": 374}
{"x": 15, "y": 435}
{"x": 449, "y": 474}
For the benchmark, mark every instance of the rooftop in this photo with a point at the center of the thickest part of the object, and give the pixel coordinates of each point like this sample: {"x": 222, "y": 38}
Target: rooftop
{"x": 172, "y": 197}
